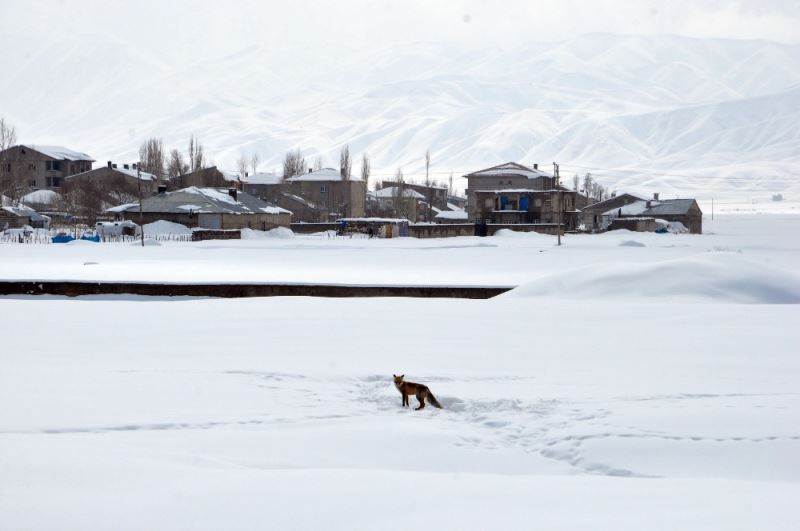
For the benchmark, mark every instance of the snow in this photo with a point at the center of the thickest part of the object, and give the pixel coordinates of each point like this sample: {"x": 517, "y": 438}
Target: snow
{"x": 323, "y": 175}
{"x": 391, "y": 192}
{"x": 263, "y": 178}
{"x": 42, "y": 197}
{"x": 162, "y": 227}
{"x": 278, "y": 232}
{"x": 275, "y": 210}
{"x": 617, "y": 388}
{"x": 136, "y": 174}
{"x": 60, "y": 153}
{"x": 213, "y": 193}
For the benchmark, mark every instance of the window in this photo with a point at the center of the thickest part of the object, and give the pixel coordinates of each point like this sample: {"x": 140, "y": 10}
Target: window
{"x": 32, "y": 183}
{"x": 32, "y": 167}
{"x": 7, "y": 167}
{"x": 54, "y": 182}
{"x": 323, "y": 189}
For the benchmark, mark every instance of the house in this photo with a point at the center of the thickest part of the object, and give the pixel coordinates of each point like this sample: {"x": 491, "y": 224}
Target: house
{"x": 396, "y": 201}
{"x": 115, "y": 179}
{"x": 20, "y": 217}
{"x": 209, "y": 208}
{"x": 525, "y": 206}
{"x": 41, "y": 167}
{"x": 265, "y": 185}
{"x": 460, "y": 203}
{"x": 685, "y": 211}
{"x": 593, "y": 214}
{"x": 508, "y": 176}
{"x": 433, "y": 200}
{"x": 328, "y": 189}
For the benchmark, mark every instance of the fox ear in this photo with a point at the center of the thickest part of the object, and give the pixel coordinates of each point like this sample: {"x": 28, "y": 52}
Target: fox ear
{"x": 394, "y": 375}
{"x": 402, "y": 376}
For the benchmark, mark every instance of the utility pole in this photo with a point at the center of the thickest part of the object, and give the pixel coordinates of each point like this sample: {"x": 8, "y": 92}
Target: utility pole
{"x": 558, "y": 200}
{"x": 139, "y": 181}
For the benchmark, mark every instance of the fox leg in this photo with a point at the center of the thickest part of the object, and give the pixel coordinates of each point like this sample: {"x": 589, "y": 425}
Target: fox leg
{"x": 405, "y": 399}
{"x": 421, "y": 398}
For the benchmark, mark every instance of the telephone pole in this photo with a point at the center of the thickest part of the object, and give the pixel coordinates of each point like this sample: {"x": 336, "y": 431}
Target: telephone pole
{"x": 558, "y": 200}
{"x": 139, "y": 181}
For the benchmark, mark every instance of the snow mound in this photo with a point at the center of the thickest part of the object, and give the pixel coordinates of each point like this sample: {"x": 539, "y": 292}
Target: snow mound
{"x": 508, "y": 233}
{"x": 713, "y": 277}
{"x": 165, "y": 227}
{"x": 631, "y": 243}
{"x": 281, "y": 233}
{"x": 148, "y": 242}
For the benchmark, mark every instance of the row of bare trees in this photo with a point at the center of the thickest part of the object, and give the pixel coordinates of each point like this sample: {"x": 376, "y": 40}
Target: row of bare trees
{"x": 154, "y": 159}
{"x": 12, "y": 184}
{"x": 294, "y": 163}
{"x": 592, "y": 189}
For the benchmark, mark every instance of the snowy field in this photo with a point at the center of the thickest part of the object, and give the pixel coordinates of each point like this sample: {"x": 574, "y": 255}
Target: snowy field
{"x": 633, "y": 381}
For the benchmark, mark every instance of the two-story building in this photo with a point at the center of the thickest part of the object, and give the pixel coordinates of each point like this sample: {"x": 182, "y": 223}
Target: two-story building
{"x": 508, "y": 176}
{"x": 327, "y": 188}
{"x": 38, "y": 167}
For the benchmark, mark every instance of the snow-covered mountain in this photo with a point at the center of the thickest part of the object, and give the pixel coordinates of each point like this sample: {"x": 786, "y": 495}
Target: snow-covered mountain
{"x": 669, "y": 114}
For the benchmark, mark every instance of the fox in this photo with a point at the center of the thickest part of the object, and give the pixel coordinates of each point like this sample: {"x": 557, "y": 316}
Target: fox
{"x": 420, "y": 391}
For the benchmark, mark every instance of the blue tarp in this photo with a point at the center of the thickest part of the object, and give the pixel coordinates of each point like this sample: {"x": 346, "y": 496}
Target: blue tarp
{"x": 62, "y": 238}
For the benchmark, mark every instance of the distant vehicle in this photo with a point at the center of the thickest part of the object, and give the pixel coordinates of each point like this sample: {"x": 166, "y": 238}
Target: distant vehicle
{"x": 116, "y": 228}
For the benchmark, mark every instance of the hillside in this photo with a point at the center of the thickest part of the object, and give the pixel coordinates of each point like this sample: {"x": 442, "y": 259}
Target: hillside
{"x": 670, "y": 114}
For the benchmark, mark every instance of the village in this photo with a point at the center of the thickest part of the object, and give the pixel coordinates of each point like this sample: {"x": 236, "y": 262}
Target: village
{"x": 65, "y": 194}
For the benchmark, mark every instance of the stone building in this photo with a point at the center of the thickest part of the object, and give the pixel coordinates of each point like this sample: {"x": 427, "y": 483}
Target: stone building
{"x": 508, "y": 176}
{"x": 208, "y": 208}
{"x": 326, "y": 188}
{"x": 28, "y": 167}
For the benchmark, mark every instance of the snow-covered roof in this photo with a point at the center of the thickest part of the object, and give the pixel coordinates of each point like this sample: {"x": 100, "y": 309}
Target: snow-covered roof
{"x": 203, "y": 201}
{"x": 665, "y": 207}
{"x": 323, "y": 175}
{"x": 600, "y": 205}
{"x": 510, "y": 169}
{"x": 452, "y": 214}
{"x": 59, "y": 152}
{"x": 127, "y": 172}
{"x": 42, "y": 197}
{"x": 25, "y": 212}
{"x": 373, "y": 220}
{"x": 391, "y": 191}
{"x": 263, "y": 178}
{"x": 454, "y": 208}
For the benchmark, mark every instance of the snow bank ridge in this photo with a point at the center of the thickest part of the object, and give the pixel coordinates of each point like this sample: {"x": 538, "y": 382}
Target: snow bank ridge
{"x": 712, "y": 277}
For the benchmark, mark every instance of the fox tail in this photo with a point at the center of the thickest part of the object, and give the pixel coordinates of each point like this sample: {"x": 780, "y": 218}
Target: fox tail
{"x": 432, "y": 399}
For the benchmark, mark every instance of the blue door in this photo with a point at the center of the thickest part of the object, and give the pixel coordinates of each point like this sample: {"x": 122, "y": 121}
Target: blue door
{"x": 523, "y": 203}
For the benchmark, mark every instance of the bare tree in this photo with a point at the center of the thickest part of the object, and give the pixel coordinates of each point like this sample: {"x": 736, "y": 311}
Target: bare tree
{"x": 429, "y": 192}
{"x": 196, "y": 155}
{"x": 254, "y": 162}
{"x": 365, "y": 170}
{"x": 318, "y": 163}
{"x": 176, "y": 165}
{"x": 11, "y": 182}
{"x": 576, "y": 182}
{"x": 152, "y": 157}
{"x": 242, "y": 164}
{"x": 293, "y": 164}
{"x": 450, "y": 185}
{"x": 345, "y": 164}
{"x": 587, "y": 185}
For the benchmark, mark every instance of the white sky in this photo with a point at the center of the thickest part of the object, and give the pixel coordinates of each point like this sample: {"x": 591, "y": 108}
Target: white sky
{"x": 214, "y": 27}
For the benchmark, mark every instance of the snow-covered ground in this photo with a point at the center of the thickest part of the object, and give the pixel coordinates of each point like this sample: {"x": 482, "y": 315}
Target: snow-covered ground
{"x": 620, "y": 387}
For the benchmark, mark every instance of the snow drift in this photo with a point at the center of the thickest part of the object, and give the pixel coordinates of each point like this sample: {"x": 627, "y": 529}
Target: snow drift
{"x": 713, "y": 277}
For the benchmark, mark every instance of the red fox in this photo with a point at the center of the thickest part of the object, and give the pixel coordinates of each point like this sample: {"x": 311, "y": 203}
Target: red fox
{"x": 420, "y": 391}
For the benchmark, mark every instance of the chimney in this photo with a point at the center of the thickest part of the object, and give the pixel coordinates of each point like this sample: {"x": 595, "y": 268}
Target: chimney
{"x": 535, "y": 166}
{"x": 133, "y": 165}
{"x": 126, "y": 166}
{"x": 648, "y": 203}
{"x": 114, "y": 166}
{"x": 232, "y": 193}
{"x": 655, "y": 196}
{"x": 310, "y": 170}
{"x": 162, "y": 189}
{"x": 246, "y": 175}
{"x": 109, "y": 164}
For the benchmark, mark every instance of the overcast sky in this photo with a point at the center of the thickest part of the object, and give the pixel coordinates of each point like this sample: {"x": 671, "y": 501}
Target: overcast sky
{"x": 218, "y": 26}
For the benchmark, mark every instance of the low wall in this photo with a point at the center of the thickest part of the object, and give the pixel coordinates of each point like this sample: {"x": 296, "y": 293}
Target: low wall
{"x": 74, "y": 289}
{"x": 542, "y": 228}
{"x": 444, "y": 230}
{"x": 311, "y": 228}
{"x": 199, "y": 235}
